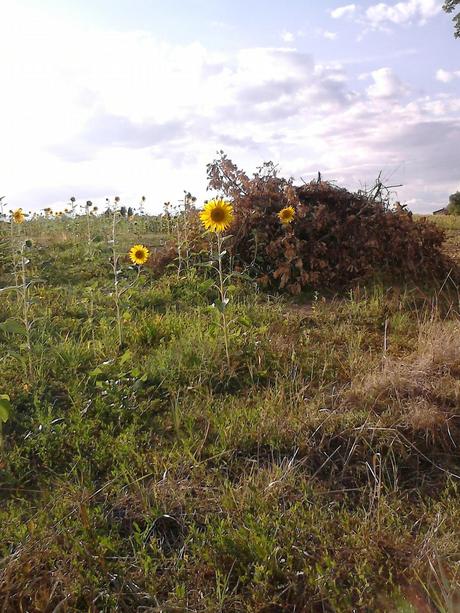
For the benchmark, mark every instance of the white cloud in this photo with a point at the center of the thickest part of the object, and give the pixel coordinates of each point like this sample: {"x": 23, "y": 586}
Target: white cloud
{"x": 446, "y": 77}
{"x": 386, "y": 84}
{"x": 221, "y": 25}
{"x": 327, "y": 34}
{"x": 381, "y": 15}
{"x": 343, "y": 11}
{"x": 129, "y": 114}
{"x": 402, "y": 12}
{"x": 288, "y": 37}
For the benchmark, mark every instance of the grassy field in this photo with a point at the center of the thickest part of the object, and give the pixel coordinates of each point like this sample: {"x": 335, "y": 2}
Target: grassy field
{"x": 316, "y": 470}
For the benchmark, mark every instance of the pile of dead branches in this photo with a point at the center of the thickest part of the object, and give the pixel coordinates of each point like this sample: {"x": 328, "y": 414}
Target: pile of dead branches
{"x": 336, "y": 237}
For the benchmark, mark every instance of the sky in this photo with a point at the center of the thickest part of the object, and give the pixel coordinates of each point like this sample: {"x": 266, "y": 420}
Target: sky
{"x": 134, "y": 97}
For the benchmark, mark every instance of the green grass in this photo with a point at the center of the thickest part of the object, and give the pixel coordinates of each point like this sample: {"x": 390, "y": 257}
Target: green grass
{"x": 320, "y": 472}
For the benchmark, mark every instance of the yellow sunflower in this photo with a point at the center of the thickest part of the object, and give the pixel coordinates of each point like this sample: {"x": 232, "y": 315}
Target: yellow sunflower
{"x": 287, "y": 215}
{"x": 139, "y": 254}
{"x": 18, "y": 216}
{"x": 217, "y": 215}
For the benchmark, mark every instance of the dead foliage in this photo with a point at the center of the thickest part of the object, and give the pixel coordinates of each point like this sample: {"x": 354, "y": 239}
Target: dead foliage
{"x": 336, "y": 237}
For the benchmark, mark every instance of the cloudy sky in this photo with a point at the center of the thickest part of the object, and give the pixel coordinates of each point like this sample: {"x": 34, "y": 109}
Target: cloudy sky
{"x": 131, "y": 97}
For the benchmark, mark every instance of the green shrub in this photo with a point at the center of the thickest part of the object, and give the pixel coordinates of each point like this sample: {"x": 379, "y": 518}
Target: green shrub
{"x": 454, "y": 204}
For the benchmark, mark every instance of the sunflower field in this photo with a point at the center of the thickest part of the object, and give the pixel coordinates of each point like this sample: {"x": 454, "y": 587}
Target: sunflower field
{"x": 249, "y": 404}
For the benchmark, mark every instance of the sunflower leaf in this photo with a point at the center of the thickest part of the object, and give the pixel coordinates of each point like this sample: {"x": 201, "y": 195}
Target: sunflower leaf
{"x": 220, "y": 305}
{"x": 5, "y": 408}
{"x": 128, "y": 354}
{"x": 13, "y": 326}
{"x": 18, "y": 356}
{"x": 244, "y": 321}
{"x": 96, "y": 372}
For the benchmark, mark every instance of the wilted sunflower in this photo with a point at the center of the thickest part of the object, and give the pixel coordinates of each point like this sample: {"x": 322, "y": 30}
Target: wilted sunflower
{"x": 18, "y": 216}
{"x": 139, "y": 254}
{"x": 286, "y": 215}
{"x": 217, "y": 215}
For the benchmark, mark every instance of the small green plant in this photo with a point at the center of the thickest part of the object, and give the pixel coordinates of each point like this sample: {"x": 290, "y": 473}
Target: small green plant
{"x": 138, "y": 255}
{"x": 23, "y": 322}
{"x": 216, "y": 217}
{"x": 115, "y": 269}
{"x": 16, "y": 220}
{"x": 24, "y": 292}
{"x": 5, "y": 412}
{"x": 88, "y": 206}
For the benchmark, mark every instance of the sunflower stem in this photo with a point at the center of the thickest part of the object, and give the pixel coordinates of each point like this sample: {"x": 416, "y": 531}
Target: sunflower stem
{"x": 25, "y": 313}
{"x": 88, "y": 228}
{"x": 179, "y": 246}
{"x": 115, "y": 277}
{"x": 13, "y": 253}
{"x": 223, "y": 296}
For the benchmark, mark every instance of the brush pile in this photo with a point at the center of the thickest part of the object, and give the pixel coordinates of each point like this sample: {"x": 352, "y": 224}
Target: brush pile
{"x": 337, "y": 237}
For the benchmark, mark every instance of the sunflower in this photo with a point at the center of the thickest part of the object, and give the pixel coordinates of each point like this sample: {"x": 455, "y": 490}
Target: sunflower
{"x": 287, "y": 215}
{"x": 217, "y": 215}
{"x": 18, "y": 216}
{"x": 139, "y": 254}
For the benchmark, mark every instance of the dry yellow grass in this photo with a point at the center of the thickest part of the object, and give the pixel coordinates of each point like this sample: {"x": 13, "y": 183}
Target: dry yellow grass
{"x": 420, "y": 393}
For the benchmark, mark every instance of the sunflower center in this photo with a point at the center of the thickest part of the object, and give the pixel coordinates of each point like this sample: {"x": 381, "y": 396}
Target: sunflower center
{"x": 218, "y": 214}
{"x": 139, "y": 254}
